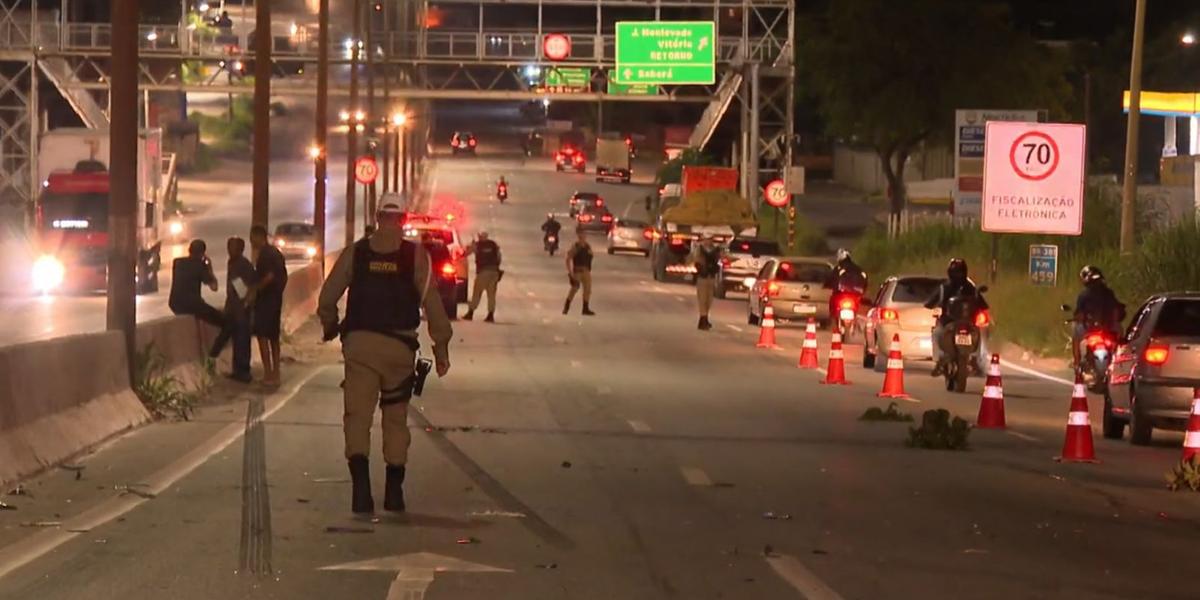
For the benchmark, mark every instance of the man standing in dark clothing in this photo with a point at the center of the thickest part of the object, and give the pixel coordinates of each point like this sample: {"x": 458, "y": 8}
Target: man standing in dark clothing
{"x": 706, "y": 257}
{"x": 187, "y": 275}
{"x": 266, "y": 297}
{"x": 239, "y": 278}
{"x": 487, "y": 275}
{"x": 579, "y": 272}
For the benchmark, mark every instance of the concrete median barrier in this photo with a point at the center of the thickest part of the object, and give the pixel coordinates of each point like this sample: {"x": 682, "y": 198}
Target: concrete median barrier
{"x": 183, "y": 342}
{"x": 59, "y": 397}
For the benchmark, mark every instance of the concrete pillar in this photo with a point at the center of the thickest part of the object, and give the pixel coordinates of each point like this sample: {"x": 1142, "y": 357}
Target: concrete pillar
{"x": 1169, "y": 134}
{"x": 1194, "y": 135}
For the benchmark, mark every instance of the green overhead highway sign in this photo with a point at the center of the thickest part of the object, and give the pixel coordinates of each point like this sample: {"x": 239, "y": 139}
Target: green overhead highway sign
{"x": 667, "y": 52}
{"x": 618, "y": 88}
{"x": 568, "y": 79}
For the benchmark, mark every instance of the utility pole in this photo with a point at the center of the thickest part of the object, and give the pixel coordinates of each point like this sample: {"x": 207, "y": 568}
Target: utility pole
{"x": 322, "y": 138}
{"x": 262, "y": 113}
{"x": 369, "y": 203}
{"x": 123, "y": 176}
{"x": 352, "y": 134}
{"x": 1129, "y": 192}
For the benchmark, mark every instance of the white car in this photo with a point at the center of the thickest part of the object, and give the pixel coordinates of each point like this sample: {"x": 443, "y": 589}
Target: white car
{"x": 898, "y": 308}
{"x": 627, "y": 235}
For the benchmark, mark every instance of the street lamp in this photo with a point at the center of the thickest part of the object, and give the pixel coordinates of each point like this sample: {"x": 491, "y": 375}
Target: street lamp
{"x": 399, "y": 119}
{"x": 1188, "y": 39}
{"x": 315, "y": 152}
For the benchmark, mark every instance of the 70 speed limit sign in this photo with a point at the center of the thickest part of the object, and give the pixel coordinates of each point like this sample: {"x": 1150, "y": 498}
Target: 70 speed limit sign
{"x": 1033, "y": 178}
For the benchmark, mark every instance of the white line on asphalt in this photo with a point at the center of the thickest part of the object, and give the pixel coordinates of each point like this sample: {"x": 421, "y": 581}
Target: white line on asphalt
{"x": 537, "y": 306}
{"x": 734, "y": 327}
{"x": 640, "y": 427}
{"x": 1024, "y": 436}
{"x": 604, "y": 390}
{"x": 1038, "y": 374}
{"x": 680, "y": 298}
{"x": 576, "y": 364}
{"x": 658, "y": 288}
{"x": 531, "y": 294}
{"x": 695, "y": 476}
{"x": 558, "y": 339}
{"x": 798, "y": 576}
{"x": 25, "y": 551}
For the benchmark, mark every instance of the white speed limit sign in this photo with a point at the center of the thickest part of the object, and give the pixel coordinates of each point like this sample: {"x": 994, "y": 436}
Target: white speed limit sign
{"x": 776, "y": 193}
{"x": 1033, "y": 178}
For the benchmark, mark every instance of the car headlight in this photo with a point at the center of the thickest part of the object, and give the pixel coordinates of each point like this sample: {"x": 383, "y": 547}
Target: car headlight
{"x": 311, "y": 251}
{"x": 281, "y": 243}
{"x": 48, "y": 274}
{"x": 176, "y": 228}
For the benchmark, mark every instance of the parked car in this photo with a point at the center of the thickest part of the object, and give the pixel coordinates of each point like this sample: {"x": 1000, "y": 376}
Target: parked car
{"x": 797, "y": 288}
{"x": 296, "y": 241}
{"x": 743, "y": 258}
{"x": 1155, "y": 369}
{"x": 628, "y": 235}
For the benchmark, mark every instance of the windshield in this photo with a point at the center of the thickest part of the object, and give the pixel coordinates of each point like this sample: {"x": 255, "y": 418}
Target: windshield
{"x": 84, "y": 212}
{"x": 754, "y": 247}
{"x": 1179, "y": 318}
{"x": 803, "y": 272}
{"x": 915, "y": 290}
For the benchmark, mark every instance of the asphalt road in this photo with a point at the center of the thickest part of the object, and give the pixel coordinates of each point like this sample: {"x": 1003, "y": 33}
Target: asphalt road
{"x": 625, "y": 455}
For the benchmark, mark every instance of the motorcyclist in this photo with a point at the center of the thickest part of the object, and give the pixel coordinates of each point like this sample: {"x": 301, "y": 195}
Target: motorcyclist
{"x": 957, "y": 284}
{"x": 502, "y": 188}
{"x": 551, "y": 227}
{"x": 1096, "y": 305}
{"x": 848, "y": 281}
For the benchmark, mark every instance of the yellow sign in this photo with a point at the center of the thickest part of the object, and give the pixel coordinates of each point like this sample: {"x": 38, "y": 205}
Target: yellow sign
{"x": 1167, "y": 104}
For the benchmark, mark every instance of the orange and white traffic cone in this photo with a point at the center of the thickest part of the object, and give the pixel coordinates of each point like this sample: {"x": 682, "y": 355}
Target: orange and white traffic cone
{"x": 1191, "y": 439}
{"x": 835, "y": 373}
{"x": 1078, "y": 445}
{"x": 991, "y": 407}
{"x": 808, "y": 354}
{"x": 766, "y": 333}
{"x": 893, "y": 380}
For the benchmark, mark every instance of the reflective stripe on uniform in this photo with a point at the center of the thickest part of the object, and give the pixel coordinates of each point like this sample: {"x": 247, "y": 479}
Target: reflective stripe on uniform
{"x": 1078, "y": 418}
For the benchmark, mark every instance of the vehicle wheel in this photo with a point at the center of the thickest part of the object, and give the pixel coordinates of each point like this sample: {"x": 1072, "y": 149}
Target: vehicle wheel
{"x": 1114, "y": 428}
{"x": 1140, "y": 427}
{"x": 869, "y": 358}
{"x": 960, "y": 375}
{"x": 611, "y": 252}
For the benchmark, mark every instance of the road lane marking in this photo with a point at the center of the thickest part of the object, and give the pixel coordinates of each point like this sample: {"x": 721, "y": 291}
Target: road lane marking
{"x": 538, "y": 306}
{"x": 695, "y": 476}
{"x": 680, "y": 298}
{"x": 1038, "y": 374}
{"x": 531, "y": 294}
{"x": 640, "y": 427}
{"x": 798, "y": 576}
{"x": 27, "y": 550}
{"x": 415, "y": 572}
{"x": 734, "y": 327}
{"x": 558, "y": 339}
{"x": 1023, "y": 436}
{"x": 604, "y": 390}
{"x": 576, "y": 364}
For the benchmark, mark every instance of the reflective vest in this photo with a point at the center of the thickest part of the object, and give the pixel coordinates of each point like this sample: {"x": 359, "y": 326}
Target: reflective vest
{"x": 487, "y": 255}
{"x": 383, "y": 297}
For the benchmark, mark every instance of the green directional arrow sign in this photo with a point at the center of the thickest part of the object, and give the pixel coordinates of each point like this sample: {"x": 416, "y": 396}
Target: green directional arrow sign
{"x": 666, "y": 52}
{"x": 617, "y": 87}
{"x": 568, "y": 77}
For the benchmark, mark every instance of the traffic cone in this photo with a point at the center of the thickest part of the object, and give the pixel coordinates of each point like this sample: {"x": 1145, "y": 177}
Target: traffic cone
{"x": 893, "y": 380}
{"x": 835, "y": 374}
{"x": 1078, "y": 444}
{"x": 991, "y": 408}
{"x": 766, "y": 333}
{"x": 1191, "y": 440}
{"x": 808, "y": 354}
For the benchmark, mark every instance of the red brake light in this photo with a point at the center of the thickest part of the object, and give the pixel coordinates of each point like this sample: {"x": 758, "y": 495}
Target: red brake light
{"x": 578, "y": 158}
{"x": 599, "y": 201}
{"x": 1156, "y": 354}
{"x": 648, "y": 234}
{"x": 725, "y": 262}
{"x": 772, "y": 288}
{"x": 448, "y": 270}
{"x": 471, "y": 142}
{"x": 890, "y": 315}
{"x": 983, "y": 318}
{"x": 606, "y": 218}
{"x": 846, "y": 304}
{"x": 1096, "y": 339}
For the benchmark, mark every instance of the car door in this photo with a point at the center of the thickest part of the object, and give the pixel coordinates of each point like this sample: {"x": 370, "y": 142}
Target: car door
{"x": 1125, "y": 360}
{"x": 759, "y": 289}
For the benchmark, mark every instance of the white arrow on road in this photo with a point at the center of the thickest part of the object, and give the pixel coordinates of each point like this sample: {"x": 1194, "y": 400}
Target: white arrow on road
{"x": 415, "y": 572}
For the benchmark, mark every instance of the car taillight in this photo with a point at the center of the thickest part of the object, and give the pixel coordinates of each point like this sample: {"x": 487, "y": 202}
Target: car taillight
{"x": 889, "y": 314}
{"x": 599, "y": 202}
{"x": 725, "y": 262}
{"x": 578, "y": 158}
{"x": 772, "y": 288}
{"x": 1097, "y": 339}
{"x": 1156, "y": 354}
{"x": 606, "y": 218}
{"x": 983, "y": 318}
{"x": 648, "y": 234}
{"x": 471, "y": 143}
{"x": 448, "y": 270}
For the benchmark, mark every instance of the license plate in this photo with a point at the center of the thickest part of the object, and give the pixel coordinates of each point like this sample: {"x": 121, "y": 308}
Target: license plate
{"x": 962, "y": 339}
{"x": 804, "y": 309}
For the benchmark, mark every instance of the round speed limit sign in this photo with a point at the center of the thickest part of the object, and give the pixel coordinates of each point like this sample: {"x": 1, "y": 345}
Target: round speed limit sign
{"x": 366, "y": 170}
{"x": 1034, "y": 156}
{"x": 776, "y": 194}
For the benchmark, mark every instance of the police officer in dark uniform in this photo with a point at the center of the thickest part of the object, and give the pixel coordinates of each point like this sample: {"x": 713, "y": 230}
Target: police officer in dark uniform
{"x": 389, "y": 280}
{"x": 579, "y": 272}
{"x": 487, "y": 275}
{"x": 706, "y": 256}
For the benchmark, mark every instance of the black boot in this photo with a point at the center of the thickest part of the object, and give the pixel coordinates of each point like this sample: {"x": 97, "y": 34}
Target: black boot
{"x": 360, "y": 479}
{"x": 566, "y": 307}
{"x": 587, "y": 310}
{"x": 491, "y": 318}
{"x": 700, "y": 325}
{"x": 470, "y": 315}
{"x": 393, "y": 495}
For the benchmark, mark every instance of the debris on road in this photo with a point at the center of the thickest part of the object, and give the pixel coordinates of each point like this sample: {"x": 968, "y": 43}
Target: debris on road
{"x": 20, "y": 490}
{"x": 78, "y": 469}
{"x": 566, "y": 464}
{"x": 819, "y": 552}
{"x": 769, "y": 551}
{"x": 42, "y": 524}
{"x": 497, "y": 513}
{"x": 938, "y": 432}
{"x": 343, "y": 529}
{"x": 330, "y": 480}
{"x": 547, "y": 566}
{"x": 5, "y": 506}
{"x": 974, "y": 551}
{"x": 891, "y": 413}
{"x": 133, "y": 489}
{"x": 467, "y": 541}
{"x": 303, "y": 500}
{"x": 1186, "y": 474}
{"x": 774, "y": 516}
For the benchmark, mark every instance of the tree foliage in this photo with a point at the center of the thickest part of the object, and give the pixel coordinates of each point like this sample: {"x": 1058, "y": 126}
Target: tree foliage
{"x": 672, "y": 170}
{"x": 889, "y": 75}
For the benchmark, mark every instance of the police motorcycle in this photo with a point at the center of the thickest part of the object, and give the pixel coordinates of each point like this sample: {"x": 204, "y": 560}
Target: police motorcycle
{"x": 962, "y": 338}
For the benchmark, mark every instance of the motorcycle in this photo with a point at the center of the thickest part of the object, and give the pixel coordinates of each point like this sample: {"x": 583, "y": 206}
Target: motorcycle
{"x": 961, "y": 340}
{"x": 845, "y": 311}
{"x": 502, "y": 193}
{"x": 1096, "y": 349}
{"x": 550, "y": 242}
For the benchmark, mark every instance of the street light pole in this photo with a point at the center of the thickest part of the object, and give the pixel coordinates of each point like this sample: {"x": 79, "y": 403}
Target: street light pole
{"x": 122, "y": 170}
{"x": 1129, "y": 192}
{"x": 322, "y": 138}
{"x": 262, "y": 113}
{"x": 369, "y": 203}
{"x": 352, "y": 133}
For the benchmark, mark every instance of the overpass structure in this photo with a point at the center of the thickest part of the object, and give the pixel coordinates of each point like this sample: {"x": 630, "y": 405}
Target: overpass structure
{"x": 424, "y": 49}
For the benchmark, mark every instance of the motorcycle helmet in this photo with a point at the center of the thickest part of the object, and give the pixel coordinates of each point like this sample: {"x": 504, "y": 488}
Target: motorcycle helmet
{"x": 1089, "y": 274}
{"x": 843, "y": 254}
{"x": 957, "y": 268}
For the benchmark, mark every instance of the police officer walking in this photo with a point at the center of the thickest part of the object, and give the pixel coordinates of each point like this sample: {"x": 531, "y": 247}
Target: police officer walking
{"x": 487, "y": 275}
{"x": 389, "y": 281}
{"x": 706, "y": 256}
{"x": 579, "y": 272}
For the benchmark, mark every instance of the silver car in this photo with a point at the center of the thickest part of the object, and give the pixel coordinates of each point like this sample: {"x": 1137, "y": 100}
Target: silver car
{"x": 796, "y": 287}
{"x": 1155, "y": 369}
{"x": 899, "y": 309}
{"x": 744, "y": 257}
{"x": 628, "y": 235}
